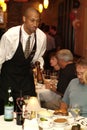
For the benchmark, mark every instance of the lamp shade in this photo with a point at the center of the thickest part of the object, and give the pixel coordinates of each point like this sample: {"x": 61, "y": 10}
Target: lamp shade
{"x": 33, "y": 104}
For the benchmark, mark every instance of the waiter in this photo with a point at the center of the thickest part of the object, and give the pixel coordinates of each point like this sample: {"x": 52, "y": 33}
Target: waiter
{"x": 15, "y": 64}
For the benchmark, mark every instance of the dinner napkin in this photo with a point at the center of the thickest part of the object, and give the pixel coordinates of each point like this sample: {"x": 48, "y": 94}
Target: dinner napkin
{"x": 31, "y": 124}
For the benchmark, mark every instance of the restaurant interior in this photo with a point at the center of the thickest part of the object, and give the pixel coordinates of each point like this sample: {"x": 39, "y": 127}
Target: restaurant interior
{"x": 69, "y": 16}
{"x": 70, "y": 19}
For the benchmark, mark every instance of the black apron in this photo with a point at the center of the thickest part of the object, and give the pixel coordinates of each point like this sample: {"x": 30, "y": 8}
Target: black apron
{"x": 17, "y": 73}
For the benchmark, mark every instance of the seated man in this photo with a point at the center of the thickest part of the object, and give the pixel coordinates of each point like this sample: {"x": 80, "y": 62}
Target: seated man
{"x": 76, "y": 92}
{"x": 67, "y": 73}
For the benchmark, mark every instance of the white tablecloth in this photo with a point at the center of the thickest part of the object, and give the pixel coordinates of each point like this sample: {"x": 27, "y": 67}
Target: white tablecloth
{"x": 4, "y": 125}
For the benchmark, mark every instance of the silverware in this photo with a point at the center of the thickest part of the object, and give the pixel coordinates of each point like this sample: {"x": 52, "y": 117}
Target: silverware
{"x": 84, "y": 123}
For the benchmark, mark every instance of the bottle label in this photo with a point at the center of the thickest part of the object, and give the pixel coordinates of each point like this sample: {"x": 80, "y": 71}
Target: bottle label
{"x": 10, "y": 99}
{"x": 9, "y": 91}
{"x": 8, "y": 113}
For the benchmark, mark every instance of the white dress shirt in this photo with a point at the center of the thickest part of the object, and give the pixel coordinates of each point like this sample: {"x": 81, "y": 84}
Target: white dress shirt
{"x": 10, "y": 40}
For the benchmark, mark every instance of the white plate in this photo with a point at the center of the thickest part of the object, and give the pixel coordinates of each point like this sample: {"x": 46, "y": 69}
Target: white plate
{"x": 39, "y": 86}
{"x": 47, "y": 123}
{"x": 69, "y": 115}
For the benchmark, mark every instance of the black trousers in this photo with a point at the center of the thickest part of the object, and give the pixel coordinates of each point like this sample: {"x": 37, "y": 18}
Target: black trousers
{"x": 2, "y": 106}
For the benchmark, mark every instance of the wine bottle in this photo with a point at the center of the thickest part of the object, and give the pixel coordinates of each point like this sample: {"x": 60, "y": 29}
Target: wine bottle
{"x": 19, "y": 107}
{"x": 39, "y": 73}
{"x": 9, "y": 107}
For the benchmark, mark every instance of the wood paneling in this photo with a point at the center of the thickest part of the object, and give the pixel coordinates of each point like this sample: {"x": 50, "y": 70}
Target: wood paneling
{"x": 64, "y": 25}
{"x": 81, "y": 32}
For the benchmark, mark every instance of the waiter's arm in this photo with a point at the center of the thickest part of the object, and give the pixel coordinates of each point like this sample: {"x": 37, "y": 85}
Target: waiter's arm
{"x": 2, "y": 51}
{"x": 40, "y": 51}
{"x": 7, "y": 48}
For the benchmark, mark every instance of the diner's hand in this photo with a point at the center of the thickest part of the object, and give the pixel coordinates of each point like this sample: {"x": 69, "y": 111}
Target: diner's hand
{"x": 63, "y": 105}
{"x": 47, "y": 85}
{"x": 51, "y": 87}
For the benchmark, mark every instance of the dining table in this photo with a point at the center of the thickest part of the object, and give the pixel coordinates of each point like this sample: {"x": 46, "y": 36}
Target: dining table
{"x": 33, "y": 124}
{"x": 9, "y": 125}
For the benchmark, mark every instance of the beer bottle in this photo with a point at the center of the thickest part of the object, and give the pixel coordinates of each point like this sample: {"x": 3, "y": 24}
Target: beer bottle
{"x": 39, "y": 73}
{"x": 9, "y": 107}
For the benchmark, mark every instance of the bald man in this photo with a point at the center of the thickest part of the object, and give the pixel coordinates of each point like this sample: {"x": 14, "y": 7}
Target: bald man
{"x": 15, "y": 68}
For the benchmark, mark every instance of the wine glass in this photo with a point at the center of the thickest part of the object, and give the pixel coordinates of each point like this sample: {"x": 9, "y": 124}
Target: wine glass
{"x": 54, "y": 78}
{"x": 46, "y": 76}
{"x": 75, "y": 111}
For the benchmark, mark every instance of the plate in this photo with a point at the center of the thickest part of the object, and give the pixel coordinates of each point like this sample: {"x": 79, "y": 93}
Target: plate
{"x": 39, "y": 86}
{"x": 46, "y": 124}
{"x": 61, "y": 112}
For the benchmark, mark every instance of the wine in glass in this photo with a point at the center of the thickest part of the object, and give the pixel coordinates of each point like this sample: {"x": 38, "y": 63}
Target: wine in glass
{"x": 75, "y": 111}
{"x": 54, "y": 78}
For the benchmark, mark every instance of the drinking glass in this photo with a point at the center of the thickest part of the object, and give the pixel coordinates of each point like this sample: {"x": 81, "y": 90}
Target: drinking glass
{"x": 54, "y": 78}
{"x": 75, "y": 111}
{"x": 46, "y": 76}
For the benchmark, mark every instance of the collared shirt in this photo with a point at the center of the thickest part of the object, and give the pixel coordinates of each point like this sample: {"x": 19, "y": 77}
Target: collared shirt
{"x": 10, "y": 40}
{"x": 25, "y": 37}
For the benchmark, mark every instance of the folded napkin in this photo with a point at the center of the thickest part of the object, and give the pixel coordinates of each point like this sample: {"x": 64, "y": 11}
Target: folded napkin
{"x": 31, "y": 124}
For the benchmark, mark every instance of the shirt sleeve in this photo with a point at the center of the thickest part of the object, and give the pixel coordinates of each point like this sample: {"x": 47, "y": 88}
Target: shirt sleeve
{"x": 63, "y": 81}
{"x": 7, "y": 48}
{"x": 41, "y": 48}
{"x": 66, "y": 75}
{"x": 2, "y": 50}
{"x": 42, "y": 51}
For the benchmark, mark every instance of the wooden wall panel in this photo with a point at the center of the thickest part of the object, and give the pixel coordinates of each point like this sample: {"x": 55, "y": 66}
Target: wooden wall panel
{"x": 85, "y": 33}
{"x": 81, "y": 32}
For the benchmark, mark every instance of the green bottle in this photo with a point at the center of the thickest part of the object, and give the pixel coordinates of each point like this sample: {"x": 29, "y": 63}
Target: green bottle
{"x": 9, "y": 107}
